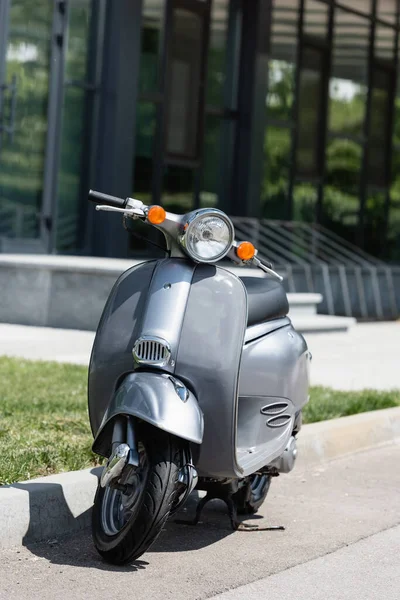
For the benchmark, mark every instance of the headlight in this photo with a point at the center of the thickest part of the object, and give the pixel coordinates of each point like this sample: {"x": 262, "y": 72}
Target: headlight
{"x": 208, "y": 235}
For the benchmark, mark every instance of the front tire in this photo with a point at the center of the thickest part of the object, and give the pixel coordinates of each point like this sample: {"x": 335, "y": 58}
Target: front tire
{"x": 124, "y": 525}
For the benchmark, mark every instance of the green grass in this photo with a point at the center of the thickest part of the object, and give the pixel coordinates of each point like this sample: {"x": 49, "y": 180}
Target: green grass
{"x": 44, "y": 426}
{"x": 326, "y": 403}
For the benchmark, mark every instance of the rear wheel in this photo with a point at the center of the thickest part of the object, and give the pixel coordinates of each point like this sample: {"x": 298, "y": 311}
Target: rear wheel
{"x": 252, "y": 494}
{"x": 126, "y": 523}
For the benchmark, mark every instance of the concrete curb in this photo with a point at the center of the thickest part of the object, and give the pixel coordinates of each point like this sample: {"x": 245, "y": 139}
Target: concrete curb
{"x": 44, "y": 508}
{"x": 327, "y": 440}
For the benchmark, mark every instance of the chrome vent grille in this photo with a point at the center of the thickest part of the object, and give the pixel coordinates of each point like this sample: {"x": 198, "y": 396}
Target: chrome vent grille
{"x": 279, "y": 421}
{"x": 275, "y": 408}
{"x": 151, "y": 350}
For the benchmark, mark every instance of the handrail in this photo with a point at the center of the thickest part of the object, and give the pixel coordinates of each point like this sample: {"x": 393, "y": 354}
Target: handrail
{"x": 301, "y": 243}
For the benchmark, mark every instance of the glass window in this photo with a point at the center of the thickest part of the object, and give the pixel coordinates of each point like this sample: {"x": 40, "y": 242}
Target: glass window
{"x": 152, "y": 24}
{"x": 385, "y": 38}
{"x": 396, "y": 117}
{"x": 216, "y": 66}
{"x": 305, "y": 197}
{"x": 379, "y": 138}
{"x": 364, "y": 6}
{"x": 178, "y": 189}
{"x": 348, "y": 85}
{"x": 145, "y": 132}
{"x": 374, "y": 221}
{"x": 27, "y": 84}
{"x": 340, "y": 207}
{"x": 393, "y": 233}
{"x": 309, "y": 114}
{"x": 74, "y": 127}
{"x": 211, "y": 160}
{"x": 281, "y": 67}
{"x": 184, "y": 83}
{"x": 386, "y": 10}
{"x": 275, "y": 186}
{"x": 316, "y": 17}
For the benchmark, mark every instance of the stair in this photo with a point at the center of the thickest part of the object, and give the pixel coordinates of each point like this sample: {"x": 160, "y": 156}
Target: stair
{"x": 303, "y": 309}
{"x": 303, "y": 313}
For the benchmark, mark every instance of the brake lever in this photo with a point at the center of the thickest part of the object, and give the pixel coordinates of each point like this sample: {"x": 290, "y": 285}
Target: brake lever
{"x": 133, "y": 212}
{"x": 256, "y": 261}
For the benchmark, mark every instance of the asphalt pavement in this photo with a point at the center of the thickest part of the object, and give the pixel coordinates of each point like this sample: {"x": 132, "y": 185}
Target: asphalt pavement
{"x": 342, "y": 541}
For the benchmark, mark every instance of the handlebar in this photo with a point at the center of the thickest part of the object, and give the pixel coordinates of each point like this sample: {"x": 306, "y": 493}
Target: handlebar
{"x": 101, "y": 198}
{"x": 137, "y": 210}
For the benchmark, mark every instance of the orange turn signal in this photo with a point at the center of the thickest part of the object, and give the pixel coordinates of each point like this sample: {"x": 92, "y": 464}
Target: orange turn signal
{"x": 156, "y": 215}
{"x": 245, "y": 251}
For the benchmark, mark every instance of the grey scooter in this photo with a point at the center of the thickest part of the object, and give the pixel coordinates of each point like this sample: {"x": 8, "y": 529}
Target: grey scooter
{"x": 197, "y": 380}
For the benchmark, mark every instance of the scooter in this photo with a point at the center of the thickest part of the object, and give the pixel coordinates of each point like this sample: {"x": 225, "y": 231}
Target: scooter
{"x": 197, "y": 379}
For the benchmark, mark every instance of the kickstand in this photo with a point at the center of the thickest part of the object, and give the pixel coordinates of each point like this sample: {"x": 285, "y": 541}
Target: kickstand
{"x": 232, "y": 512}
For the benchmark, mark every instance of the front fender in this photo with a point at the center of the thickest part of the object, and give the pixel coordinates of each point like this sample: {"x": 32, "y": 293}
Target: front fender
{"x": 152, "y": 397}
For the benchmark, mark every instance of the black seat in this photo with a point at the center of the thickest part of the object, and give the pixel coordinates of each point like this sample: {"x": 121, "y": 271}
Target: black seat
{"x": 266, "y": 299}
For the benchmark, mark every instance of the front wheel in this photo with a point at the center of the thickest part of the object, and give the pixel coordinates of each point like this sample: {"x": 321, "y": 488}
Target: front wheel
{"x": 126, "y": 523}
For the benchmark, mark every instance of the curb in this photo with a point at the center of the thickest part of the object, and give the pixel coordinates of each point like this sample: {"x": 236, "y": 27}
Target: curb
{"x": 327, "y": 440}
{"x": 44, "y": 508}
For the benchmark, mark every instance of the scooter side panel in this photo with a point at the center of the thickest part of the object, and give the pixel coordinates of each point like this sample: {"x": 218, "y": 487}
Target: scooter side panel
{"x": 276, "y": 365}
{"x": 262, "y": 437}
{"x": 209, "y": 360}
{"x": 273, "y": 387}
{"x": 119, "y": 327}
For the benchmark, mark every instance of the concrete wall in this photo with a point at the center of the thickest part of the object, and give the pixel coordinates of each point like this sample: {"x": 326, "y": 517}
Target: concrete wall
{"x": 68, "y": 292}
{"x": 56, "y": 291}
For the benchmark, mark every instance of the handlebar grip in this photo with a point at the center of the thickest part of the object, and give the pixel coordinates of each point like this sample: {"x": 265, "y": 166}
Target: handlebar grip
{"x": 101, "y": 198}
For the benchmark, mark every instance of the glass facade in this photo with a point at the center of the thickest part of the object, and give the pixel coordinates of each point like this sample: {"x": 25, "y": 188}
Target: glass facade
{"x": 331, "y": 146}
{"x": 185, "y": 110}
{"x": 45, "y": 84}
{"x": 24, "y": 87}
{"x": 320, "y": 120}
{"x": 78, "y": 89}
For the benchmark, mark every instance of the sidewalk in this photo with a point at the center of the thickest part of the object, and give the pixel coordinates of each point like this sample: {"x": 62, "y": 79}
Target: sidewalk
{"x": 46, "y": 343}
{"x": 368, "y": 356}
{"x": 365, "y": 357}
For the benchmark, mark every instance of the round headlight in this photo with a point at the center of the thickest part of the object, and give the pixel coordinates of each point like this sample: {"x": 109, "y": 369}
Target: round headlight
{"x": 208, "y": 235}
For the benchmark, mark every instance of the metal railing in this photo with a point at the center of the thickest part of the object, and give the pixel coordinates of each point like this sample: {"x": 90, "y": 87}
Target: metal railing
{"x": 314, "y": 259}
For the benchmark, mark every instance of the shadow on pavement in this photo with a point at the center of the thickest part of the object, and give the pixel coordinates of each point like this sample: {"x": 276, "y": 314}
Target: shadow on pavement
{"x": 76, "y": 547}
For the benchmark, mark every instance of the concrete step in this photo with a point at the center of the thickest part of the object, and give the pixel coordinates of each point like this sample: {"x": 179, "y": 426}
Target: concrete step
{"x": 304, "y": 305}
{"x": 322, "y": 323}
{"x": 303, "y": 313}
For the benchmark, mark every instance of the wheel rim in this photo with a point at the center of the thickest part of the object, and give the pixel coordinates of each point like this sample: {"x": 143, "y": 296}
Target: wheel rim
{"x": 258, "y": 485}
{"x": 118, "y": 507}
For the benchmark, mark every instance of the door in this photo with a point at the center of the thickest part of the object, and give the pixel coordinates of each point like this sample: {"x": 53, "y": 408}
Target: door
{"x": 80, "y": 88}
{"x": 49, "y": 79}
{"x": 25, "y": 40}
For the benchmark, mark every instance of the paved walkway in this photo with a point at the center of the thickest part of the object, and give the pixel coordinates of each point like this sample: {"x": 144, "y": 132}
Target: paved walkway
{"x": 366, "y": 357}
{"x": 341, "y": 542}
{"x": 46, "y": 343}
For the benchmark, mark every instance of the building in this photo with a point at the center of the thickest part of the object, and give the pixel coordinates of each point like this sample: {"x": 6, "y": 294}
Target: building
{"x": 281, "y": 109}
